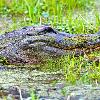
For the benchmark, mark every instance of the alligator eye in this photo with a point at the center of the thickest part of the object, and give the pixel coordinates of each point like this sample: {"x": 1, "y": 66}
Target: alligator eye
{"x": 49, "y": 29}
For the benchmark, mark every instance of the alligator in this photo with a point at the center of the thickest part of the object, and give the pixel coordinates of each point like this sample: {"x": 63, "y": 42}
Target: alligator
{"x": 34, "y": 45}
{"x": 30, "y": 45}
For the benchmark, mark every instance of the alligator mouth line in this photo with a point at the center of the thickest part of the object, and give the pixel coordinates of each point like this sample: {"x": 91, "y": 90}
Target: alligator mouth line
{"x": 55, "y": 47}
{"x": 94, "y": 47}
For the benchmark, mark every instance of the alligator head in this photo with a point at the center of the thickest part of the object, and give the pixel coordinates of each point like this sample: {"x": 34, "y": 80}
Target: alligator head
{"x": 31, "y": 45}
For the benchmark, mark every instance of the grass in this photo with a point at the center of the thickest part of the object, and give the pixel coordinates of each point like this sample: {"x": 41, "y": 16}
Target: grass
{"x": 33, "y": 96}
{"x": 77, "y": 70}
{"x": 72, "y": 16}
{"x": 67, "y": 15}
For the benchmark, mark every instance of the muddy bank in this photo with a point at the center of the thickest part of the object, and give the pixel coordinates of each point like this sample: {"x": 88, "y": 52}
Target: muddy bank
{"x": 59, "y": 91}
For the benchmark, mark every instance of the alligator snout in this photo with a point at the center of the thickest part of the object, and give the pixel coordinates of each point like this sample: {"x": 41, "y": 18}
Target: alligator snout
{"x": 56, "y": 43}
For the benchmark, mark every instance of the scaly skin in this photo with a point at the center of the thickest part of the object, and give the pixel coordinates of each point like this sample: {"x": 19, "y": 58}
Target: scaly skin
{"x": 31, "y": 44}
